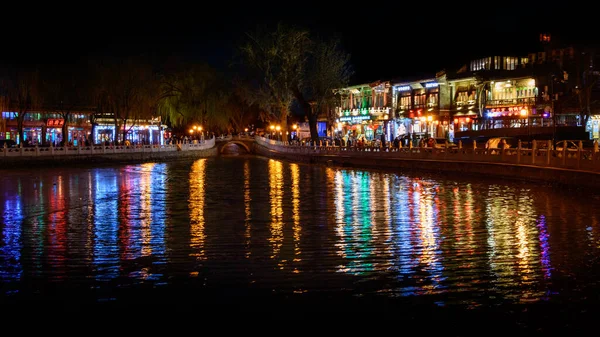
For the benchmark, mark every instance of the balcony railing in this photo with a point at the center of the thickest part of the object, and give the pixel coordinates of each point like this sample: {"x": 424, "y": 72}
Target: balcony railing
{"x": 511, "y": 101}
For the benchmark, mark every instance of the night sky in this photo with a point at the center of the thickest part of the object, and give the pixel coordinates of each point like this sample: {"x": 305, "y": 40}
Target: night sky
{"x": 385, "y": 41}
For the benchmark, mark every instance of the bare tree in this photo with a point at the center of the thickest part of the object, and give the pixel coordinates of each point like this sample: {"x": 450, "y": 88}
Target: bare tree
{"x": 66, "y": 90}
{"x": 586, "y": 81}
{"x": 240, "y": 114}
{"x": 23, "y": 95}
{"x": 128, "y": 92}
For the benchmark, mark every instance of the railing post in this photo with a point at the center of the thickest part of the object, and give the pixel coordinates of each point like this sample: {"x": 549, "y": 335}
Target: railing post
{"x": 5, "y": 149}
{"x": 533, "y": 151}
{"x": 21, "y": 148}
{"x": 519, "y": 152}
{"x": 37, "y": 150}
{"x": 549, "y": 153}
{"x": 579, "y": 148}
{"x": 460, "y": 144}
{"x": 564, "y": 151}
{"x": 595, "y": 153}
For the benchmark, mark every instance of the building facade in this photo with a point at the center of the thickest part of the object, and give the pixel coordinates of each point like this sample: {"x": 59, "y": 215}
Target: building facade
{"x": 46, "y": 128}
{"x": 365, "y": 111}
{"x": 422, "y": 107}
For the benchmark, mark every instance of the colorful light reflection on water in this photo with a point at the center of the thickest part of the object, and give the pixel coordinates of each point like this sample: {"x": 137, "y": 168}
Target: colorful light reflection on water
{"x": 294, "y": 229}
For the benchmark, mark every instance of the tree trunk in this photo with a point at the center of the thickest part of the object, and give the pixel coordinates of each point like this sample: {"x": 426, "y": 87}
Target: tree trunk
{"x": 65, "y": 131}
{"x": 312, "y": 124}
{"x": 20, "y": 119}
{"x": 44, "y": 132}
{"x": 124, "y": 132}
{"x": 117, "y": 132}
{"x": 310, "y": 114}
{"x": 284, "y": 129}
{"x": 91, "y": 138}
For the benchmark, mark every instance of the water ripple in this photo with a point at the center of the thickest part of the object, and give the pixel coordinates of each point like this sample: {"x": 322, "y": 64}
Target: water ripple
{"x": 252, "y": 223}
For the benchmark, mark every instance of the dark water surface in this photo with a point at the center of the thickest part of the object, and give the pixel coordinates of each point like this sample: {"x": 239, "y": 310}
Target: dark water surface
{"x": 231, "y": 229}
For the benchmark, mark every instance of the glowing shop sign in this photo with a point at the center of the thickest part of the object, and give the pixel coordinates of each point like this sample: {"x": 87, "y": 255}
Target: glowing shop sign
{"x": 431, "y": 85}
{"x": 355, "y": 118}
{"x": 403, "y": 88}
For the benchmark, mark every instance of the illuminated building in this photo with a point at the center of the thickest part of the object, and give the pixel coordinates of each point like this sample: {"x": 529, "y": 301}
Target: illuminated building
{"x": 364, "y": 111}
{"x": 421, "y": 106}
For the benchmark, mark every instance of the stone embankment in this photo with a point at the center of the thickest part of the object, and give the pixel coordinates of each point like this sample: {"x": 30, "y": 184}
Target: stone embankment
{"x": 567, "y": 167}
{"x": 100, "y": 154}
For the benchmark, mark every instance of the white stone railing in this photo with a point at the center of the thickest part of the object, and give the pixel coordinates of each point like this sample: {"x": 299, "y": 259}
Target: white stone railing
{"x": 9, "y": 152}
{"x": 573, "y": 159}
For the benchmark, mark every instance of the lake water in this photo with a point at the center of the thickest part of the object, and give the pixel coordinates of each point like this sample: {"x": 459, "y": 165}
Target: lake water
{"x": 237, "y": 227}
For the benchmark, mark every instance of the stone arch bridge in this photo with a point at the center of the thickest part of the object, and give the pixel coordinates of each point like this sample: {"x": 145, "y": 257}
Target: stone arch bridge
{"x": 246, "y": 143}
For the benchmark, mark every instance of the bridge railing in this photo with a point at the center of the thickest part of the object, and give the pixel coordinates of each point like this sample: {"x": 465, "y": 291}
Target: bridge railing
{"x": 9, "y": 152}
{"x": 575, "y": 159}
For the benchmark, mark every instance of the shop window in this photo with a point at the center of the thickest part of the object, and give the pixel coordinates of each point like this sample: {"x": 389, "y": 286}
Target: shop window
{"x": 405, "y": 102}
{"x": 510, "y": 63}
{"x": 432, "y": 100}
{"x": 419, "y": 100}
{"x": 497, "y": 63}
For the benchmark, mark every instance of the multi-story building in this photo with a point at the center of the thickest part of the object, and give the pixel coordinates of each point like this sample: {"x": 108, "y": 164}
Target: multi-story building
{"x": 365, "y": 111}
{"x": 422, "y": 107}
{"x": 534, "y": 96}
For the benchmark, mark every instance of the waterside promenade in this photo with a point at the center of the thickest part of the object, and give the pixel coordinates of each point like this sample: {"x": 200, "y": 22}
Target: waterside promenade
{"x": 574, "y": 168}
{"x": 97, "y": 154}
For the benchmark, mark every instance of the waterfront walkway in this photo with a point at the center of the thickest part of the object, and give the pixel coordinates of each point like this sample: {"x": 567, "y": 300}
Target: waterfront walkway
{"x": 579, "y": 159}
{"x": 73, "y": 151}
{"x": 578, "y": 168}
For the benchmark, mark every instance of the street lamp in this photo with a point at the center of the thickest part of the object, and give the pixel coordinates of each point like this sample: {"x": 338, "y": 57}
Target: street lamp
{"x": 294, "y": 126}
{"x": 278, "y": 128}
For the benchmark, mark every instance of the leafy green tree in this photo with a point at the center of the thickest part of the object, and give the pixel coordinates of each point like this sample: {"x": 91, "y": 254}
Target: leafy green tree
{"x": 276, "y": 62}
{"x": 328, "y": 69}
{"x": 288, "y": 65}
{"x": 197, "y": 93}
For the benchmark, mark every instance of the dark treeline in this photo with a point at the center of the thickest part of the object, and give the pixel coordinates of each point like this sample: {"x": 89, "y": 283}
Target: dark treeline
{"x": 271, "y": 71}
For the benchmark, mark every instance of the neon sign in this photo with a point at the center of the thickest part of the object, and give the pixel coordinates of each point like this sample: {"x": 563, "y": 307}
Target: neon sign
{"x": 355, "y": 118}
{"x": 403, "y": 88}
{"x": 431, "y": 85}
